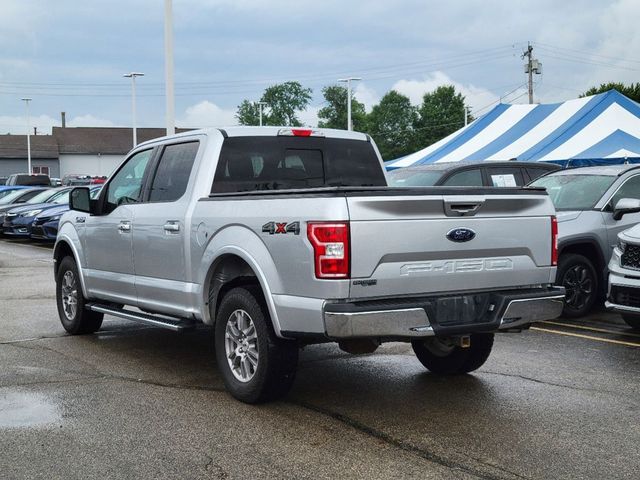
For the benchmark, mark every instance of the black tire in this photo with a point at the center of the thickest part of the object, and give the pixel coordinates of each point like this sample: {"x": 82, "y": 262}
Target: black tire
{"x": 632, "y": 320}
{"x": 81, "y": 321}
{"x": 443, "y": 359}
{"x": 578, "y": 275}
{"x": 276, "y": 360}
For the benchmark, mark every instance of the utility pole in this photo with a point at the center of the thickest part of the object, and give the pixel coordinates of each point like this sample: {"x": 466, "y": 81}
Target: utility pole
{"x": 133, "y": 76}
{"x": 348, "y": 82}
{"x": 464, "y": 109}
{"x": 26, "y": 101}
{"x": 532, "y": 66}
{"x": 260, "y": 105}
{"x": 168, "y": 67}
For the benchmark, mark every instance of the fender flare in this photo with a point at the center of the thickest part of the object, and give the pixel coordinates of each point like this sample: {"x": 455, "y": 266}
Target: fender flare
{"x": 68, "y": 235}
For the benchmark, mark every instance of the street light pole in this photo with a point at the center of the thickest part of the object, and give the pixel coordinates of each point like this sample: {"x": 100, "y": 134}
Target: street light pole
{"x": 133, "y": 76}
{"x": 26, "y": 101}
{"x": 260, "y": 105}
{"x": 348, "y": 82}
{"x": 168, "y": 67}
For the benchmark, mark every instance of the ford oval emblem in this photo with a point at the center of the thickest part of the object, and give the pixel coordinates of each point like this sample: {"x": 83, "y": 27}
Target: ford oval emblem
{"x": 461, "y": 235}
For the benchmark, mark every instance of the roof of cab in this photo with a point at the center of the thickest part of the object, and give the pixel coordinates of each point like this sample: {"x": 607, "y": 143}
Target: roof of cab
{"x": 238, "y": 131}
{"x": 611, "y": 170}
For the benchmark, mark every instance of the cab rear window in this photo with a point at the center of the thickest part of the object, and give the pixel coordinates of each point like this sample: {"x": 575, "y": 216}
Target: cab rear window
{"x": 279, "y": 163}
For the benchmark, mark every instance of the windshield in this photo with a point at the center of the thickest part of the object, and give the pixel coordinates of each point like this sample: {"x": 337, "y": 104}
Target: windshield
{"x": 575, "y": 192}
{"x": 62, "y": 197}
{"x": 406, "y": 177}
{"x": 8, "y": 196}
{"x": 43, "y": 196}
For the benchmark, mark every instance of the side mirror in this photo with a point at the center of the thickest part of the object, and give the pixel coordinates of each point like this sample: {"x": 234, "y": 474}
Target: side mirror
{"x": 624, "y": 206}
{"x": 80, "y": 200}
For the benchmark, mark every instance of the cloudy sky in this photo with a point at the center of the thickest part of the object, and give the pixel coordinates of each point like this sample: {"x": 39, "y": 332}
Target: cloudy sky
{"x": 69, "y": 55}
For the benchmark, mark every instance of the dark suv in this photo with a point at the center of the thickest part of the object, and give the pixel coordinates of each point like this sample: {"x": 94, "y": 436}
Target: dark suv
{"x": 456, "y": 174}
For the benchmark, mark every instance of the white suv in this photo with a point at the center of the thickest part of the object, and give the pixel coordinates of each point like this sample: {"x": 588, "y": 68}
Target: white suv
{"x": 624, "y": 277}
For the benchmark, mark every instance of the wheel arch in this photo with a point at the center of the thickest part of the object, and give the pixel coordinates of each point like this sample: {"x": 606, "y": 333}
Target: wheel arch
{"x": 65, "y": 246}
{"x": 589, "y": 248}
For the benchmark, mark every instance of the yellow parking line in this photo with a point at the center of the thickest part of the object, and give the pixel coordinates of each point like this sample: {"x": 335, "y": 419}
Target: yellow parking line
{"x": 598, "y": 339}
{"x": 593, "y": 329}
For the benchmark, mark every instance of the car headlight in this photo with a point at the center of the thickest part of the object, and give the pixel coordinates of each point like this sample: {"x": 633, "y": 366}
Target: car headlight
{"x": 622, "y": 246}
{"x": 31, "y": 213}
{"x": 54, "y": 218}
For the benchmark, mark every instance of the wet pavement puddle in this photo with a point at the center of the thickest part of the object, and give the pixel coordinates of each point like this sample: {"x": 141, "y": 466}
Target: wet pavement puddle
{"x": 24, "y": 409}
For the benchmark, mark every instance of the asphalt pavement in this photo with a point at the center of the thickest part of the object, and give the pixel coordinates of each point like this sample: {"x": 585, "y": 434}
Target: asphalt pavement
{"x": 559, "y": 401}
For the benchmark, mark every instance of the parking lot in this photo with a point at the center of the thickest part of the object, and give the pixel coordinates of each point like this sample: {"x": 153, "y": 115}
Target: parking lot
{"x": 558, "y": 401}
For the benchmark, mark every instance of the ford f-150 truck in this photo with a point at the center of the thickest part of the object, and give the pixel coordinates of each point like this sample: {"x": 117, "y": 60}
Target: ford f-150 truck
{"x": 282, "y": 237}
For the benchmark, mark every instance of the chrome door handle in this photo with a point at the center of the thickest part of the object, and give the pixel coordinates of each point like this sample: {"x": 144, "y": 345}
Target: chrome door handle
{"x": 124, "y": 227}
{"x": 172, "y": 226}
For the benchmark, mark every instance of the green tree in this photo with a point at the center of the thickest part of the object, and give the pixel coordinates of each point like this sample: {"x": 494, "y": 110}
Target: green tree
{"x": 441, "y": 113}
{"x": 334, "y": 114}
{"x": 391, "y": 123}
{"x": 632, "y": 90}
{"x": 283, "y": 102}
{"x": 248, "y": 113}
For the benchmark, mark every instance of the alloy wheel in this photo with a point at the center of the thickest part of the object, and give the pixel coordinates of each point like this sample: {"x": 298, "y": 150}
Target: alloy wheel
{"x": 241, "y": 345}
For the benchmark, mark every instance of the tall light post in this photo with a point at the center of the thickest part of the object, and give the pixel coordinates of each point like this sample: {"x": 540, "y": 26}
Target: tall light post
{"x": 168, "y": 67}
{"x": 260, "y": 105}
{"x": 133, "y": 76}
{"x": 26, "y": 102}
{"x": 348, "y": 82}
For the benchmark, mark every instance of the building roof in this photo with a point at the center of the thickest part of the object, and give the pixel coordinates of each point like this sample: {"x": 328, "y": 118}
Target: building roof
{"x": 15, "y": 147}
{"x": 103, "y": 140}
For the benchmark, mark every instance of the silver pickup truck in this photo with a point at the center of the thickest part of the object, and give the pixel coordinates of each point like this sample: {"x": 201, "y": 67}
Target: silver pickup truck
{"x": 282, "y": 237}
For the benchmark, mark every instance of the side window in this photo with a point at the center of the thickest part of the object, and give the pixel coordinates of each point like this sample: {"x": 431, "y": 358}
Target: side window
{"x": 172, "y": 175}
{"x": 466, "y": 178}
{"x": 629, "y": 189}
{"x": 505, "y": 176}
{"x": 126, "y": 185}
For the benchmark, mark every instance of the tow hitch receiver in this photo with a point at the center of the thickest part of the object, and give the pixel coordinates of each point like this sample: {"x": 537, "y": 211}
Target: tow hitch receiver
{"x": 463, "y": 342}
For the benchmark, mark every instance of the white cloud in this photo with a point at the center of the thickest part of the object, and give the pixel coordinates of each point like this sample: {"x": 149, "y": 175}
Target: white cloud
{"x": 89, "y": 120}
{"x": 309, "y": 117}
{"x": 476, "y": 97}
{"x": 366, "y": 95}
{"x": 17, "y": 125}
{"x": 207, "y": 114}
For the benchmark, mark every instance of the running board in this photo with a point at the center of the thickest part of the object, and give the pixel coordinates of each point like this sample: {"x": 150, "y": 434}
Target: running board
{"x": 175, "y": 324}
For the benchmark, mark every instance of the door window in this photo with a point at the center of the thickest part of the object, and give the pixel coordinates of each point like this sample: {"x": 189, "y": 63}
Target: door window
{"x": 466, "y": 178}
{"x": 172, "y": 176}
{"x": 629, "y": 189}
{"x": 126, "y": 185}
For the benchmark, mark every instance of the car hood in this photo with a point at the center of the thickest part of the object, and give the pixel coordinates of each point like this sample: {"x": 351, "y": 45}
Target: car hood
{"x": 50, "y": 212}
{"x": 568, "y": 215}
{"x": 33, "y": 206}
{"x": 633, "y": 232}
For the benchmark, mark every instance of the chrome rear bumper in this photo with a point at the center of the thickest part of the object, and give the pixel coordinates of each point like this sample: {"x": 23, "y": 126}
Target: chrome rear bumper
{"x": 507, "y": 310}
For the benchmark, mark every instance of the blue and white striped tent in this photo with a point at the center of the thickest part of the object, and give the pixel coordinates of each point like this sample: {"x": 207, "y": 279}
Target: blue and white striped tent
{"x": 603, "y": 128}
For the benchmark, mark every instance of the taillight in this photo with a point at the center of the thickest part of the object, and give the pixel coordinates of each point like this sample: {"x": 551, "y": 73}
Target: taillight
{"x": 554, "y": 241}
{"x": 330, "y": 241}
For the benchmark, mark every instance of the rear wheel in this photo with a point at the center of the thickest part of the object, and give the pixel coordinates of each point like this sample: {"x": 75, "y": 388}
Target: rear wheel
{"x": 75, "y": 318}
{"x": 256, "y": 366}
{"x": 578, "y": 275}
{"x": 632, "y": 320}
{"x": 443, "y": 357}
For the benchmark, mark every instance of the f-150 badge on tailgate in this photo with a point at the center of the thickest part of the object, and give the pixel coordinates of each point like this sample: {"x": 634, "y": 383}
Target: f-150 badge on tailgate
{"x": 461, "y": 235}
{"x": 273, "y": 228}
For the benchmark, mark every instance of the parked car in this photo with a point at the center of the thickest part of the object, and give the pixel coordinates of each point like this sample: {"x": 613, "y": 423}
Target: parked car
{"x": 18, "y": 220}
{"x": 32, "y": 179}
{"x": 7, "y": 189}
{"x": 280, "y": 237}
{"x": 624, "y": 276}
{"x": 456, "y": 174}
{"x": 17, "y": 197}
{"x": 45, "y": 224}
{"x": 591, "y": 213}
{"x": 56, "y": 182}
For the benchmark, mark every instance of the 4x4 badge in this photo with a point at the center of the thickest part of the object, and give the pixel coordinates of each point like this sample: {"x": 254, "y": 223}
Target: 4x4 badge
{"x": 274, "y": 228}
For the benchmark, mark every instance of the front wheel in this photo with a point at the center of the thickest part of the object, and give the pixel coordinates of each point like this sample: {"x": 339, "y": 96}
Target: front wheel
{"x": 256, "y": 366}
{"x": 578, "y": 276}
{"x": 443, "y": 357}
{"x": 75, "y": 318}
{"x": 632, "y": 320}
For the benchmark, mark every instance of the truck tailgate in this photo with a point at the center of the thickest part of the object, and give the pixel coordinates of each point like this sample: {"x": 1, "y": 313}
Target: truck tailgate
{"x": 423, "y": 241}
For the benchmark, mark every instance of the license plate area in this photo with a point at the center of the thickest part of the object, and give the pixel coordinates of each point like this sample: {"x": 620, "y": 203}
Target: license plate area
{"x": 463, "y": 310}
